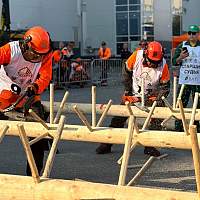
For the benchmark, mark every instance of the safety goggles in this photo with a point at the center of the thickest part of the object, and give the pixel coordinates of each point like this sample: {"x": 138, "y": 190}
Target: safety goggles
{"x": 152, "y": 63}
{"x": 33, "y": 56}
{"x": 192, "y": 33}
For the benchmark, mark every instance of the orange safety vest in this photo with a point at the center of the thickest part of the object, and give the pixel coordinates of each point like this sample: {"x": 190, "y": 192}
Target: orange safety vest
{"x": 56, "y": 56}
{"x": 15, "y": 70}
{"x": 104, "y": 53}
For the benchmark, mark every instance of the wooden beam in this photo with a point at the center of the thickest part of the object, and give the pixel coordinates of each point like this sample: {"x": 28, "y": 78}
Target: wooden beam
{"x": 52, "y": 152}
{"x": 23, "y": 188}
{"x": 60, "y": 110}
{"x": 104, "y": 113}
{"x": 126, "y": 154}
{"x": 51, "y": 103}
{"x": 121, "y": 110}
{"x": 166, "y": 139}
{"x": 29, "y": 154}
{"x": 3, "y": 132}
{"x": 196, "y": 155}
{"x": 94, "y": 97}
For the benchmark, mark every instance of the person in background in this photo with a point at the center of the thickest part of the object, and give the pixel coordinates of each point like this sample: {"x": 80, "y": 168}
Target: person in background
{"x": 104, "y": 54}
{"x": 142, "y": 45}
{"x": 187, "y": 56}
{"x": 26, "y": 67}
{"x": 67, "y": 55}
{"x": 150, "y": 65}
{"x": 125, "y": 53}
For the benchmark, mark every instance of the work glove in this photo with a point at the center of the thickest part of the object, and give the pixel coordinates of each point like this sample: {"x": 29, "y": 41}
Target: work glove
{"x": 31, "y": 89}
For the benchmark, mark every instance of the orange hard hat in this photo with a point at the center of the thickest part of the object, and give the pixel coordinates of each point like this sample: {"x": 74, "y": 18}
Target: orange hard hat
{"x": 38, "y": 39}
{"x": 154, "y": 52}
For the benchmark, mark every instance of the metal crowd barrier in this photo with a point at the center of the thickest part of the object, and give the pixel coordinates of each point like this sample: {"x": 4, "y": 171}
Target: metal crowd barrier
{"x": 73, "y": 72}
{"x": 105, "y": 72}
{"x": 97, "y": 71}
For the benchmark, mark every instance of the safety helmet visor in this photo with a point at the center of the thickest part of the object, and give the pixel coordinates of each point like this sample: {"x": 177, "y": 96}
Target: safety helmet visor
{"x": 153, "y": 63}
{"x": 33, "y": 56}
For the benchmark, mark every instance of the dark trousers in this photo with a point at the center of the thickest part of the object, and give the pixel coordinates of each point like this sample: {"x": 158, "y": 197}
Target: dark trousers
{"x": 119, "y": 122}
{"x": 104, "y": 72}
{"x": 188, "y": 90}
{"x": 39, "y": 147}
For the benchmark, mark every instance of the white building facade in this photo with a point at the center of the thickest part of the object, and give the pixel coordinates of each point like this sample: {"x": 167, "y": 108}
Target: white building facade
{"x": 88, "y": 22}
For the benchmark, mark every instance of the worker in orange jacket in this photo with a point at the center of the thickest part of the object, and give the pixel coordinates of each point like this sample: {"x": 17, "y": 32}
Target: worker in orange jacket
{"x": 104, "y": 53}
{"x": 150, "y": 65}
{"x": 26, "y": 66}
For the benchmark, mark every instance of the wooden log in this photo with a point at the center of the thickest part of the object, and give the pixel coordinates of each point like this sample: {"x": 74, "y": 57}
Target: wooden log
{"x": 83, "y": 118}
{"x": 51, "y": 106}
{"x": 121, "y": 110}
{"x": 29, "y": 154}
{"x": 52, "y": 153}
{"x": 185, "y": 127}
{"x": 163, "y": 124}
{"x": 141, "y": 172}
{"x": 37, "y": 118}
{"x": 33, "y": 141}
{"x": 23, "y": 188}
{"x": 174, "y": 92}
{"x": 180, "y": 94}
{"x": 94, "y": 117}
{"x": 194, "y": 107}
{"x": 167, "y": 104}
{"x": 60, "y": 110}
{"x": 126, "y": 154}
{"x": 166, "y": 139}
{"x": 144, "y": 168}
{"x": 131, "y": 113}
{"x": 104, "y": 113}
{"x": 146, "y": 123}
{"x": 3, "y": 132}
{"x": 142, "y": 92}
{"x": 131, "y": 149}
{"x": 127, "y": 103}
{"x": 196, "y": 155}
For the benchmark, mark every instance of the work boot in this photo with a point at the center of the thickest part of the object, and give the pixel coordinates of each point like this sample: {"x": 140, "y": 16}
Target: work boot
{"x": 103, "y": 148}
{"x": 151, "y": 151}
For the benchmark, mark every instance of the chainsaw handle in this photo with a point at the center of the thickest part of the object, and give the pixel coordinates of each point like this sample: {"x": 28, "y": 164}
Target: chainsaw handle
{"x": 10, "y": 108}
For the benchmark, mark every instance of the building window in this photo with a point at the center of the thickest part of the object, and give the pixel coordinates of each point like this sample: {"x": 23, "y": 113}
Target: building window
{"x": 134, "y": 8}
{"x": 134, "y": 22}
{"x": 128, "y": 21}
{"x": 122, "y": 8}
{"x": 134, "y": 1}
{"x": 121, "y": 2}
{"x": 122, "y": 23}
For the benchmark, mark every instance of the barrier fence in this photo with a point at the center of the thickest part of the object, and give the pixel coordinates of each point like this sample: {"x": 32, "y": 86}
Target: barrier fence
{"x": 88, "y": 71}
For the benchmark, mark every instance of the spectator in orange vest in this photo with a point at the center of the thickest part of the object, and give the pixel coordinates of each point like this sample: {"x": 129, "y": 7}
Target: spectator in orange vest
{"x": 104, "y": 54}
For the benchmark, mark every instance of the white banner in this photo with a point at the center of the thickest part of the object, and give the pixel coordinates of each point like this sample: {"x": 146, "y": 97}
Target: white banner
{"x": 190, "y": 73}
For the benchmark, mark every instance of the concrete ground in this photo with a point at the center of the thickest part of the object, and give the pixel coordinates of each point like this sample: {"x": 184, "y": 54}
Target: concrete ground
{"x": 79, "y": 160}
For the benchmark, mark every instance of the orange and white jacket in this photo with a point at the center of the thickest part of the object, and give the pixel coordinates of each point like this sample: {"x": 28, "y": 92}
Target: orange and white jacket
{"x": 104, "y": 54}
{"x": 17, "y": 73}
{"x": 152, "y": 76}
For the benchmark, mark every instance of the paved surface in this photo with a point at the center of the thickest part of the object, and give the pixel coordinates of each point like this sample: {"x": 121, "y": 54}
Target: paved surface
{"x": 78, "y": 159}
